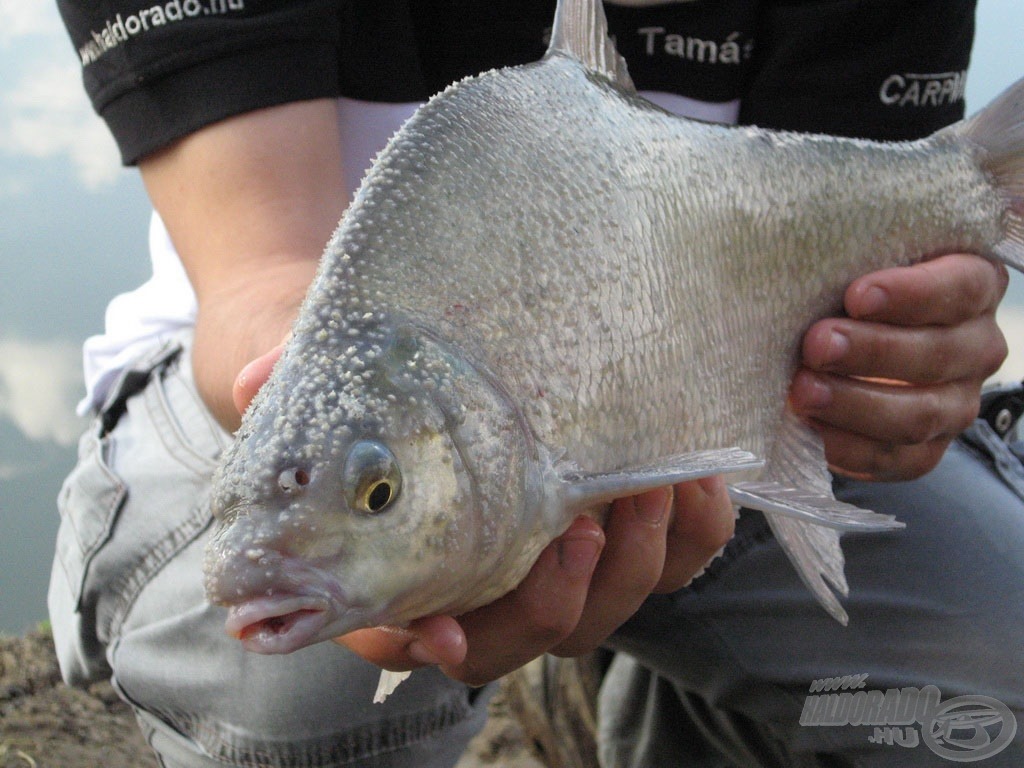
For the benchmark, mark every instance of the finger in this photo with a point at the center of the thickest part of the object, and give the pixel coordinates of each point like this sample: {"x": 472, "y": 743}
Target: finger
{"x": 868, "y": 459}
{"x": 974, "y": 349}
{"x": 885, "y": 431}
{"x": 891, "y": 413}
{"x": 540, "y": 612}
{"x": 252, "y": 377}
{"x": 432, "y": 640}
{"x": 703, "y": 523}
{"x": 942, "y": 291}
{"x": 630, "y": 567}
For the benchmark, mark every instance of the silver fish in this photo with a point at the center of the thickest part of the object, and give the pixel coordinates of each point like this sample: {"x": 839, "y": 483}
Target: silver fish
{"x": 549, "y": 293}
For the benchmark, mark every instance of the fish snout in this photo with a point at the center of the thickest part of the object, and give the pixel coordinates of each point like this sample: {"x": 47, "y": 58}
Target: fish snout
{"x": 277, "y": 604}
{"x": 233, "y": 574}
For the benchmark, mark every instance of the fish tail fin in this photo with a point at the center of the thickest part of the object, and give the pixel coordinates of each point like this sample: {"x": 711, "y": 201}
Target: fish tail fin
{"x": 998, "y": 130}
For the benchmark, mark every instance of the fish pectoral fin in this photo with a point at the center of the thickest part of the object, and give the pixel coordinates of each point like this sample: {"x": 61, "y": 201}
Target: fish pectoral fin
{"x": 779, "y": 499}
{"x": 388, "y": 682}
{"x": 584, "y": 490}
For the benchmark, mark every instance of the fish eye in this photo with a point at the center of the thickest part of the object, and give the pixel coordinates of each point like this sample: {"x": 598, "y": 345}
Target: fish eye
{"x": 372, "y": 477}
{"x": 378, "y": 496}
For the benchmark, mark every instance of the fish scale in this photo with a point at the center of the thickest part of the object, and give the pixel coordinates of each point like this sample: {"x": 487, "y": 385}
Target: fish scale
{"x": 548, "y": 294}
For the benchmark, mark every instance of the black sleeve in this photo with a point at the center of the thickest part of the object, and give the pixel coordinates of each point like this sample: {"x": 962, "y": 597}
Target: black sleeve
{"x": 880, "y": 69}
{"x": 701, "y": 50}
{"x": 874, "y": 68}
{"x": 408, "y": 50}
{"x": 156, "y": 71}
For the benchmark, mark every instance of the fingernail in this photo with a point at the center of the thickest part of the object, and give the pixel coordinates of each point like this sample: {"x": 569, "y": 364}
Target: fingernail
{"x": 711, "y": 486}
{"x": 838, "y": 346}
{"x": 578, "y": 555}
{"x": 813, "y": 392}
{"x": 419, "y": 653}
{"x": 873, "y": 301}
{"x": 652, "y": 507}
{"x": 242, "y": 379}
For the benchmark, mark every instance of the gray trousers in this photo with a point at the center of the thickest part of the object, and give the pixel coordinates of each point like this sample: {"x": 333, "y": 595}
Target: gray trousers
{"x": 723, "y": 674}
{"x": 717, "y": 674}
{"x": 126, "y": 600}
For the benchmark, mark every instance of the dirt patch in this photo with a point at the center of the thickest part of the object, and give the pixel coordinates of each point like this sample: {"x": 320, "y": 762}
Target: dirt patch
{"x": 46, "y": 724}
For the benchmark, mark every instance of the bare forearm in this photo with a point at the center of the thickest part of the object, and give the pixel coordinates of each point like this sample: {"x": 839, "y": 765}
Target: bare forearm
{"x": 249, "y": 203}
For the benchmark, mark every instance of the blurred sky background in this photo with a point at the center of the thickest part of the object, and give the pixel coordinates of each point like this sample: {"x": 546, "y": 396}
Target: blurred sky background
{"x": 73, "y": 233}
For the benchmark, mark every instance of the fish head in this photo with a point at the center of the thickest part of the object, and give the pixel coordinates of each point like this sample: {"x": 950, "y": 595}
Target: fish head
{"x": 368, "y": 486}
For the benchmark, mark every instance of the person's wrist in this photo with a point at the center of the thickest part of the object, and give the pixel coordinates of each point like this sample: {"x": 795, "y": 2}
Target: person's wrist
{"x": 237, "y": 324}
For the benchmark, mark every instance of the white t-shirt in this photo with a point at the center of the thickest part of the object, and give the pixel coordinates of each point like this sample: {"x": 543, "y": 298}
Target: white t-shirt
{"x": 165, "y": 304}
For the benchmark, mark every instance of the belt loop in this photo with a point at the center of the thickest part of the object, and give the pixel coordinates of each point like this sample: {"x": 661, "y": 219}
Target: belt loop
{"x": 132, "y": 380}
{"x": 1002, "y": 406}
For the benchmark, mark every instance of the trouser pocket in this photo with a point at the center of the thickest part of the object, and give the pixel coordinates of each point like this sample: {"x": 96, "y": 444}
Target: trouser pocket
{"x": 994, "y": 435}
{"x": 88, "y": 503}
{"x": 95, "y": 547}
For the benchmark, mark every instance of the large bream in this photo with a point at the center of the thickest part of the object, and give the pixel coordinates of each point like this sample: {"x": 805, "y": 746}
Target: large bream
{"x": 549, "y": 293}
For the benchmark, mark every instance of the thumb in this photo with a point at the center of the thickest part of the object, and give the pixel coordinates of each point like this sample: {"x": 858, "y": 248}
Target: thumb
{"x": 253, "y": 376}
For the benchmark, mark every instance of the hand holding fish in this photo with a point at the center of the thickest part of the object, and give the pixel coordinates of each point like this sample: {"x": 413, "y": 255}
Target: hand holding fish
{"x": 590, "y": 580}
{"x": 889, "y": 386}
{"x": 445, "y": 396}
{"x": 934, "y": 351}
{"x": 566, "y": 605}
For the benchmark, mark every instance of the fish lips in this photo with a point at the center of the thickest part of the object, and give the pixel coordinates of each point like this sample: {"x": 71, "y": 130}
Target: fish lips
{"x": 285, "y": 622}
{"x": 278, "y": 603}
{"x": 278, "y": 623}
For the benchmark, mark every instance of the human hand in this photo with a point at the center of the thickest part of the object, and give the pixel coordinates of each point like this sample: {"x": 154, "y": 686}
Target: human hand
{"x": 891, "y": 385}
{"x": 229, "y": 334}
{"x": 583, "y": 586}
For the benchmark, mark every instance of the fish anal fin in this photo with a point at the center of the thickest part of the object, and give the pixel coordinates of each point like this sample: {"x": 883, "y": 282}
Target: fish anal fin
{"x": 795, "y": 493}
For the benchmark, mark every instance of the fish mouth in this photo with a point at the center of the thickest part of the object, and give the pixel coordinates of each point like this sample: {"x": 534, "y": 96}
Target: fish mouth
{"x": 277, "y": 603}
{"x": 279, "y": 624}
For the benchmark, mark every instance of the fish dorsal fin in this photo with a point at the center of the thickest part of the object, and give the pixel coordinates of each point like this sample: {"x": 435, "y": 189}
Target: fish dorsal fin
{"x": 581, "y": 32}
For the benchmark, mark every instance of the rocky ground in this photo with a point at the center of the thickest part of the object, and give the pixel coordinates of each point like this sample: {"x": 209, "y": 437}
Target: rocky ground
{"x": 45, "y": 724}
